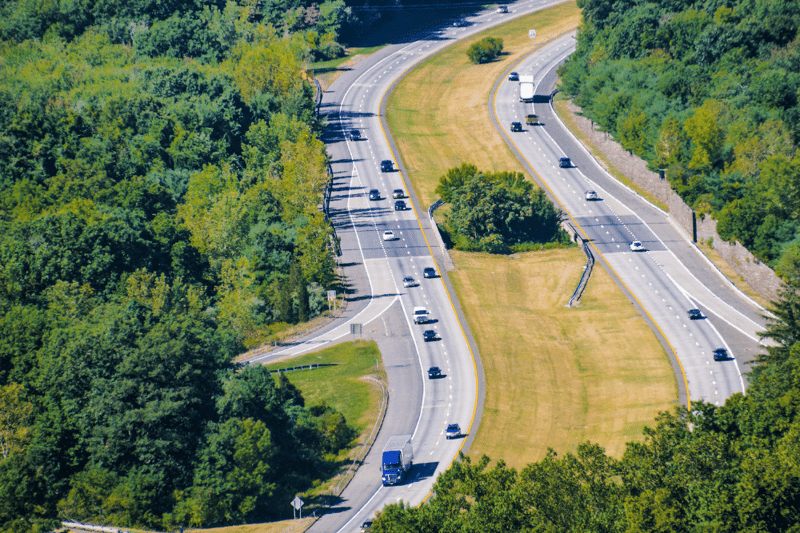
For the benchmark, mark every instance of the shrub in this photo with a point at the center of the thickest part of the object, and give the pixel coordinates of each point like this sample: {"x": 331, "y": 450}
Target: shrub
{"x": 485, "y": 50}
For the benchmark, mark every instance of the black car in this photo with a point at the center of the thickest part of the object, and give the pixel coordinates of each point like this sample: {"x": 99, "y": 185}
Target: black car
{"x": 374, "y": 194}
{"x": 513, "y": 76}
{"x": 386, "y": 165}
{"x": 434, "y": 372}
{"x": 429, "y": 272}
{"x": 355, "y": 135}
{"x": 366, "y": 527}
{"x": 695, "y": 314}
{"x": 516, "y": 126}
{"x": 720, "y": 354}
{"x": 564, "y": 162}
{"x": 429, "y": 335}
{"x": 399, "y": 205}
{"x": 398, "y": 193}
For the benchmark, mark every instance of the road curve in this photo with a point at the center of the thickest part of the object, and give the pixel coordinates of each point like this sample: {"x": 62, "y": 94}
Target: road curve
{"x": 666, "y": 279}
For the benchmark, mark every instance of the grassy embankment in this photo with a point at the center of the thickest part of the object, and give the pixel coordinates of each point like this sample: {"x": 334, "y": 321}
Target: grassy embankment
{"x": 555, "y": 377}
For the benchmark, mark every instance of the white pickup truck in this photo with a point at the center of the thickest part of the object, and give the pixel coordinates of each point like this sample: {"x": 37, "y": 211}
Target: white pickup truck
{"x": 420, "y": 315}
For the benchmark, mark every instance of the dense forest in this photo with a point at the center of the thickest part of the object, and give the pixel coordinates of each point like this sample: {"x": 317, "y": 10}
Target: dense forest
{"x": 160, "y": 177}
{"x": 707, "y": 92}
{"x": 731, "y": 468}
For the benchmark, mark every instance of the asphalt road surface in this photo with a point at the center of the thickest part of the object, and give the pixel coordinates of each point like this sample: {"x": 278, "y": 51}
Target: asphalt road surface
{"x": 666, "y": 278}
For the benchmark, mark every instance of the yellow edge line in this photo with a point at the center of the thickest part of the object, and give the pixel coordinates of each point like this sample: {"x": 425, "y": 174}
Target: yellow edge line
{"x": 543, "y": 182}
{"x": 428, "y": 244}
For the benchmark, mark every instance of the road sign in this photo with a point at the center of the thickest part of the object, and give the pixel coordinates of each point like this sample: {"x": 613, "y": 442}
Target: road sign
{"x": 532, "y": 34}
{"x": 355, "y": 329}
{"x": 331, "y": 295}
{"x": 297, "y": 503}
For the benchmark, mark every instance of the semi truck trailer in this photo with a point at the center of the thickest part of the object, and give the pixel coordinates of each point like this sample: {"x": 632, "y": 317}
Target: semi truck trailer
{"x": 398, "y": 457}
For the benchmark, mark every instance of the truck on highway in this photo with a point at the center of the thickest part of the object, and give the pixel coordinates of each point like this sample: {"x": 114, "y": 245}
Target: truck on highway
{"x": 398, "y": 458}
{"x": 526, "y": 88}
{"x": 420, "y": 315}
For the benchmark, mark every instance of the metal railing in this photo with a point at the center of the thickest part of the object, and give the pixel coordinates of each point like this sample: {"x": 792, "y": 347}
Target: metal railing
{"x": 587, "y": 271}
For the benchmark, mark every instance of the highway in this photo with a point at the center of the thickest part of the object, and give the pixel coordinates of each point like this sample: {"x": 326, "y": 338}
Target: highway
{"x": 374, "y": 268}
{"x": 665, "y": 279}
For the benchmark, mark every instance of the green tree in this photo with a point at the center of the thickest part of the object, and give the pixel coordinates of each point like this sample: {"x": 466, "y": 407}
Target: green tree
{"x": 485, "y": 50}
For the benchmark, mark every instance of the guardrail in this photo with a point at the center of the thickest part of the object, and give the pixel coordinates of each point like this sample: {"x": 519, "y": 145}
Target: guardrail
{"x": 587, "y": 271}
{"x": 304, "y": 367}
{"x": 448, "y": 263}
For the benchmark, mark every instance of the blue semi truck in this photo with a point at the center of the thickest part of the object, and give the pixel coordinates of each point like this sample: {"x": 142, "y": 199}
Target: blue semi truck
{"x": 397, "y": 460}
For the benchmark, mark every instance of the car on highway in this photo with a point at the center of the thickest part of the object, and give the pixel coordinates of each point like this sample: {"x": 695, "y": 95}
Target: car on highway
{"x": 636, "y": 246}
{"x": 502, "y": 9}
{"x": 531, "y": 119}
{"x": 408, "y": 281}
{"x": 564, "y": 162}
{"x": 429, "y": 272}
{"x": 374, "y": 194}
{"x": 591, "y": 195}
{"x": 695, "y": 314}
{"x": 398, "y": 193}
{"x": 453, "y": 431}
{"x": 513, "y": 76}
{"x": 386, "y": 165}
{"x": 429, "y": 335}
{"x": 721, "y": 354}
{"x": 399, "y": 205}
{"x": 516, "y": 126}
{"x": 434, "y": 372}
{"x": 388, "y": 235}
{"x": 355, "y": 135}
{"x": 459, "y": 23}
{"x": 366, "y": 527}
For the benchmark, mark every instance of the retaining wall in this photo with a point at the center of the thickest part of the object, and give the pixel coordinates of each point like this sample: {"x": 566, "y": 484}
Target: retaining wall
{"x": 754, "y": 272}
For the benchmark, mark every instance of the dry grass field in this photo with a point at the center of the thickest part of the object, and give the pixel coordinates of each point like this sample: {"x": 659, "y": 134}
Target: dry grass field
{"x": 558, "y": 376}
{"x": 439, "y": 115}
{"x": 555, "y": 377}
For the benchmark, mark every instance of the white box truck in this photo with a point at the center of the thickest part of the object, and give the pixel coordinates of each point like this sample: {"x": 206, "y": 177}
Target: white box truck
{"x": 526, "y": 88}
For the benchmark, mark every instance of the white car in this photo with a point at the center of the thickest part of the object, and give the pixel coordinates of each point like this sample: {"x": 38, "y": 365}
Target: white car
{"x": 591, "y": 195}
{"x": 502, "y": 9}
{"x": 637, "y": 246}
{"x": 388, "y": 235}
{"x": 409, "y": 282}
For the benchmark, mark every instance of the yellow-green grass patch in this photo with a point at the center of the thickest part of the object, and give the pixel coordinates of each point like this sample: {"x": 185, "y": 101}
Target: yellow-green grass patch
{"x": 558, "y": 376}
{"x": 438, "y": 112}
{"x": 284, "y": 526}
{"x": 342, "y": 386}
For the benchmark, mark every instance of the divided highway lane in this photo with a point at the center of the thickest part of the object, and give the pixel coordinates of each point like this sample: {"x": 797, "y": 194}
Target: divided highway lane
{"x": 662, "y": 283}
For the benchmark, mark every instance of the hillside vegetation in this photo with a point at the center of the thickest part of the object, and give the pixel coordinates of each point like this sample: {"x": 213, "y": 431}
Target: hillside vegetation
{"x": 706, "y": 92}
{"x": 160, "y": 176}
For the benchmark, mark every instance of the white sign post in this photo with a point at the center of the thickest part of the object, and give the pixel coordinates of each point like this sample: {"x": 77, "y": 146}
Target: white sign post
{"x": 297, "y": 504}
{"x": 331, "y": 298}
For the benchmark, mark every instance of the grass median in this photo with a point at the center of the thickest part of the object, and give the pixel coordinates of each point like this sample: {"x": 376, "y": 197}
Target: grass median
{"x": 555, "y": 377}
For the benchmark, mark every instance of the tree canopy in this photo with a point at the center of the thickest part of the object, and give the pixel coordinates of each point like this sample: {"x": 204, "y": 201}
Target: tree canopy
{"x": 708, "y": 93}
{"x": 160, "y": 170}
{"x": 497, "y": 212}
